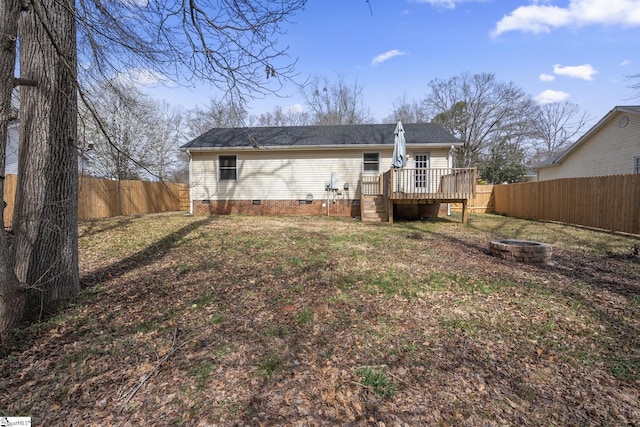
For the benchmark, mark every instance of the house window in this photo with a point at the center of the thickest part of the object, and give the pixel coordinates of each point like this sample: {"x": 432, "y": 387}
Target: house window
{"x": 371, "y": 162}
{"x": 636, "y": 165}
{"x": 228, "y": 168}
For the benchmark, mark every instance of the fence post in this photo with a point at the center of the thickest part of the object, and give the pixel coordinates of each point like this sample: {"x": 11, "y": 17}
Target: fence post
{"x": 600, "y": 202}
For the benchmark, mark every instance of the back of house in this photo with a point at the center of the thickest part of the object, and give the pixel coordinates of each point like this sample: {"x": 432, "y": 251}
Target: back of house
{"x": 304, "y": 170}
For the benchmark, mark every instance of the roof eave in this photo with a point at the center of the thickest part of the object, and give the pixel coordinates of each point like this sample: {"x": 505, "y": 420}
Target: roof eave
{"x": 590, "y": 132}
{"x": 545, "y": 166}
{"x": 322, "y": 147}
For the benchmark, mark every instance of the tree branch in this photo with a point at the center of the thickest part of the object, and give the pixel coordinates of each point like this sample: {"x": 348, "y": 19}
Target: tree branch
{"x": 17, "y": 81}
{"x": 174, "y": 347}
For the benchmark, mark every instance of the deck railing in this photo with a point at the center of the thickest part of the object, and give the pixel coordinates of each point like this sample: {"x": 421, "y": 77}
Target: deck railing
{"x": 422, "y": 183}
{"x": 461, "y": 181}
{"x": 370, "y": 185}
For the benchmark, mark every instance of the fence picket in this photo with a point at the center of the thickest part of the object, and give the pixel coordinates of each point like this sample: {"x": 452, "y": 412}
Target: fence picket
{"x": 607, "y": 202}
{"x": 101, "y": 198}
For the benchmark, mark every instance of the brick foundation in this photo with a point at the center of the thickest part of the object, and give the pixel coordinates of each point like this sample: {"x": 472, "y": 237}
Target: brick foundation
{"x": 346, "y": 208}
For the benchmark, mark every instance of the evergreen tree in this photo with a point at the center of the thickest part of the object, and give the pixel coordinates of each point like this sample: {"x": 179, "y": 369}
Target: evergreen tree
{"x": 503, "y": 165}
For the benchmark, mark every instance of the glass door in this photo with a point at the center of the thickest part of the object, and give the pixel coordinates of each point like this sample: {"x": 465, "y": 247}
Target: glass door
{"x": 421, "y": 163}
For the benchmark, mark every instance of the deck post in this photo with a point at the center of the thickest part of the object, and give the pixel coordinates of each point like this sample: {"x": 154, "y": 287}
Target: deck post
{"x": 465, "y": 214}
{"x": 389, "y": 193}
{"x": 429, "y": 185}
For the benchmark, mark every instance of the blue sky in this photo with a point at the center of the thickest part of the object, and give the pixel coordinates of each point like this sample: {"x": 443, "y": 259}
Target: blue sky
{"x": 580, "y": 50}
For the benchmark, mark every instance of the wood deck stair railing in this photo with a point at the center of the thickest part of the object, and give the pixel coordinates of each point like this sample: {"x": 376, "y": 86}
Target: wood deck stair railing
{"x": 379, "y": 192}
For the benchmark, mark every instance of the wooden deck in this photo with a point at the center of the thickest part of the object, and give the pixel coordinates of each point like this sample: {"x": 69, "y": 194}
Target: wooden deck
{"x": 380, "y": 192}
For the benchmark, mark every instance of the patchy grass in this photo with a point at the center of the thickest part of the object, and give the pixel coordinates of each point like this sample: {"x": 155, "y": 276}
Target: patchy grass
{"x": 271, "y": 365}
{"x": 377, "y": 378}
{"x": 559, "y": 235}
{"x": 304, "y": 316}
{"x": 239, "y": 320}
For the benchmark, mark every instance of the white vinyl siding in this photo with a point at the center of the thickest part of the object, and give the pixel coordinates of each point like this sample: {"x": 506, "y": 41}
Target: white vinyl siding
{"x": 265, "y": 174}
{"x": 438, "y": 159}
{"x": 609, "y": 151}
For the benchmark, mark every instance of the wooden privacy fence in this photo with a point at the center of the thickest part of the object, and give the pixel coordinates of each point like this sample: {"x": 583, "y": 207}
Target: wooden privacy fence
{"x": 481, "y": 203}
{"x": 607, "y": 202}
{"x": 101, "y": 198}
{"x": 10, "y": 182}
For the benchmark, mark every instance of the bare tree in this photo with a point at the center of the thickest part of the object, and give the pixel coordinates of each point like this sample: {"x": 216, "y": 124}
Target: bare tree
{"x": 285, "y": 117}
{"x": 220, "y": 113}
{"x": 115, "y": 142}
{"x": 230, "y": 44}
{"x": 480, "y": 111}
{"x": 12, "y": 292}
{"x": 336, "y": 103}
{"x": 132, "y": 136}
{"x": 407, "y": 111}
{"x": 555, "y": 126}
{"x": 635, "y": 86}
{"x": 44, "y": 253}
{"x": 165, "y": 138}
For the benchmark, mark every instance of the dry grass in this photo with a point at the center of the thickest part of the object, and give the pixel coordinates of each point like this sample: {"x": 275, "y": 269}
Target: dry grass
{"x": 318, "y": 321}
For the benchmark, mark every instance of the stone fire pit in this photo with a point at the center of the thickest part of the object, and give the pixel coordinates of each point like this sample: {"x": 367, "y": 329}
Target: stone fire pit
{"x": 521, "y": 250}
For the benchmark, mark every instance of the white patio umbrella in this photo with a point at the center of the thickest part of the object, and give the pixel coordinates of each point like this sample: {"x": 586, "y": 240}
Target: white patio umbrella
{"x": 399, "y": 159}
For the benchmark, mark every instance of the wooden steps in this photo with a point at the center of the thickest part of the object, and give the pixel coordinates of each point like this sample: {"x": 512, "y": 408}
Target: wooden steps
{"x": 372, "y": 209}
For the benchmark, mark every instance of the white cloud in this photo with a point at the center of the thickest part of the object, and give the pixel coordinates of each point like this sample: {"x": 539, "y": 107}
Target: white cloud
{"x": 584, "y": 72}
{"x": 449, "y": 4}
{"x": 538, "y": 18}
{"x": 625, "y": 63}
{"x": 295, "y": 109}
{"x": 547, "y": 77}
{"x": 548, "y": 96}
{"x": 143, "y": 77}
{"x": 386, "y": 56}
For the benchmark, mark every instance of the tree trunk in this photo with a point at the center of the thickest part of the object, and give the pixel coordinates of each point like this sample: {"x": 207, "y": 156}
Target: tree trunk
{"x": 11, "y": 295}
{"x": 45, "y": 251}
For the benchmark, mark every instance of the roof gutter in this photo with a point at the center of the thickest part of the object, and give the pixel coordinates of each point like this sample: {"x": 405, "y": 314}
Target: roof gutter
{"x": 321, "y": 147}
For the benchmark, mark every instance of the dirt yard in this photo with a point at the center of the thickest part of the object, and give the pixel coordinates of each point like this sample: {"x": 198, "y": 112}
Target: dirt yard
{"x": 248, "y": 321}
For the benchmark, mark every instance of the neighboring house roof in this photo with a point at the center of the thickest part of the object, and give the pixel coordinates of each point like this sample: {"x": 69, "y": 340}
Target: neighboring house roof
{"x": 338, "y": 136}
{"x": 559, "y": 157}
{"x": 551, "y": 161}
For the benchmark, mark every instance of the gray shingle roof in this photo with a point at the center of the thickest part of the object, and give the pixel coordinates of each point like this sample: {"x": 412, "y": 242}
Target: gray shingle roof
{"x": 311, "y": 136}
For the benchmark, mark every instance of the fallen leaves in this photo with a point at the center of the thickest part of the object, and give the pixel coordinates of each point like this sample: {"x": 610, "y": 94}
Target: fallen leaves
{"x": 464, "y": 338}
